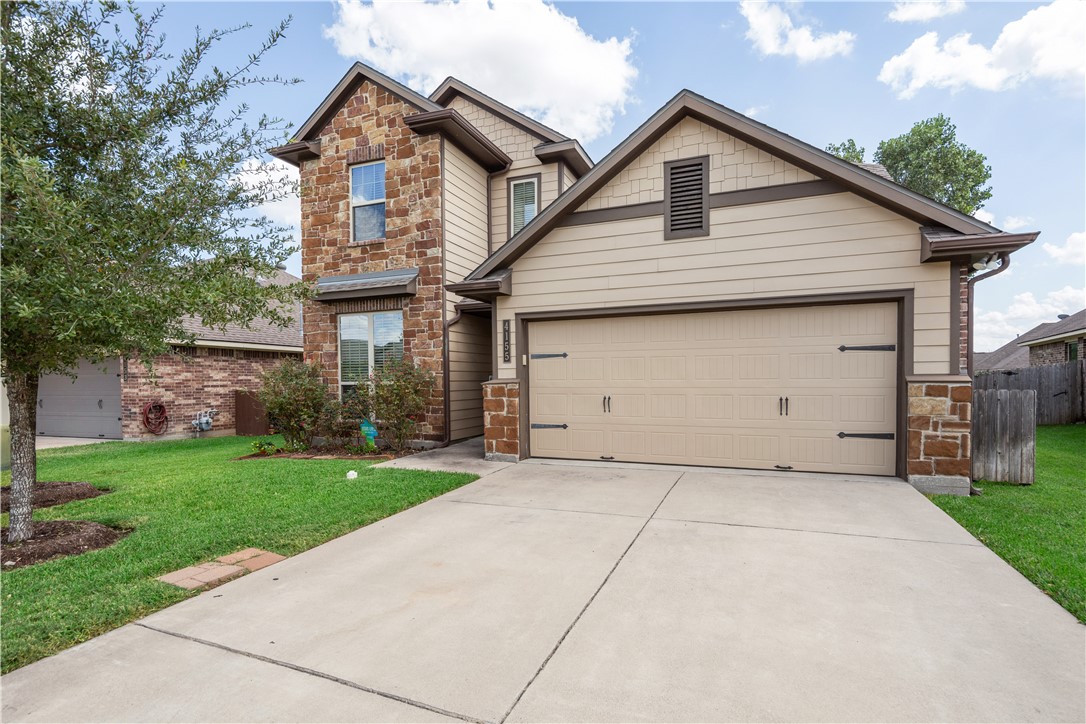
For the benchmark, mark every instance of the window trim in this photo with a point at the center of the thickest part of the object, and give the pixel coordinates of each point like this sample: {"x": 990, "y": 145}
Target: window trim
{"x": 371, "y": 329}
{"x": 535, "y": 178}
{"x": 703, "y": 230}
{"x": 351, "y": 205}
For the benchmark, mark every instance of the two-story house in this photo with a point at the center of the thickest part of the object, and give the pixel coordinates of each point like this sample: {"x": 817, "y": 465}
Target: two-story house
{"x": 713, "y": 292}
{"x": 401, "y": 195}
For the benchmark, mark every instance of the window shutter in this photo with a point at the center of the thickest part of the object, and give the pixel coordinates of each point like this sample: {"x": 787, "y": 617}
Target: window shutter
{"x": 686, "y": 198}
{"x": 524, "y": 204}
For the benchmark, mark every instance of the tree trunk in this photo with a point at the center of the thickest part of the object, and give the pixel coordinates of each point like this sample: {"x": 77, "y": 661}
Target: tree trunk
{"x": 23, "y": 401}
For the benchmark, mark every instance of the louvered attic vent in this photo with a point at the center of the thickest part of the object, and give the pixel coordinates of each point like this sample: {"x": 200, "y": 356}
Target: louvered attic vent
{"x": 686, "y": 198}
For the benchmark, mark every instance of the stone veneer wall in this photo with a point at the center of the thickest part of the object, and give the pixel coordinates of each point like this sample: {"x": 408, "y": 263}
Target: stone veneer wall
{"x": 939, "y": 425}
{"x": 195, "y": 380}
{"x": 501, "y": 423}
{"x": 370, "y": 127}
{"x": 1054, "y": 353}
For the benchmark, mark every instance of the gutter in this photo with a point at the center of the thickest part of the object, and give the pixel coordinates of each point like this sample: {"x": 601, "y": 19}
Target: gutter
{"x": 1004, "y": 264}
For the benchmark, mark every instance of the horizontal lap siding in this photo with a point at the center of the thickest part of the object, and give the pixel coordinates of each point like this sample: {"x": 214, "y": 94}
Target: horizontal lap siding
{"x": 469, "y": 367}
{"x": 465, "y": 217}
{"x": 816, "y": 245}
{"x": 499, "y": 188}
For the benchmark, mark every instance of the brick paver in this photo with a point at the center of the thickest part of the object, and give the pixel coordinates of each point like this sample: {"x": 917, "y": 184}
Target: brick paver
{"x": 222, "y": 569}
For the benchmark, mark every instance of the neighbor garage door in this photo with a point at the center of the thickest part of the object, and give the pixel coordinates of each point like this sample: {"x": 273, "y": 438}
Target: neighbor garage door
{"x": 88, "y": 406}
{"x": 810, "y": 388}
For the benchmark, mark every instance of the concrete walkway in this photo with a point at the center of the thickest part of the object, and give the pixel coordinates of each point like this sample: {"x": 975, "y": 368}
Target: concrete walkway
{"x": 460, "y": 457}
{"x": 579, "y": 593}
{"x": 45, "y": 442}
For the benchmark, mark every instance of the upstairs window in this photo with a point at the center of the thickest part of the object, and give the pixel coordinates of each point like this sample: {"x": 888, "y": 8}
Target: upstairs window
{"x": 524, "y": 200}
{"x": 686, "y": 198}
{"x": 367, "y": 342}
{"x": 368, "y": 201}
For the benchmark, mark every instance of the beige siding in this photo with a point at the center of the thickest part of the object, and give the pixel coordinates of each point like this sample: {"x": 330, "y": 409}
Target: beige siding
{"x": 734, "y": 166}
{"x": 568, "y": 179}
{"x": 815, "y": 245}
{"x": 516, "y": 142}
{"x": 470, "y": 359}
{"x": 499, "y": 186}
{"x": 465, "y": 217}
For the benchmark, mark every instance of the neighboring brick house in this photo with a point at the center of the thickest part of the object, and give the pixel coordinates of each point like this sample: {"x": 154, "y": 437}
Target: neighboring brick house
{"x": 1056, "y": 342}
{"x": 714, "y": 292}
{"x": 106, "y": 400}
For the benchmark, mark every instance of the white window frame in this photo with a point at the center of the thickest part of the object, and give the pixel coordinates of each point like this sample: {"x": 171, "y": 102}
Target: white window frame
{"x": 370, "y": 328}
{"x": 352, "y": 205}
{"x": 534, "y": 181}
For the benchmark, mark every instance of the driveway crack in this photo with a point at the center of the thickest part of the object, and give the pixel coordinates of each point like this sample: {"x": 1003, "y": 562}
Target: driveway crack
{"x": 592, "y": 598}
{"x": 318, "y": 674}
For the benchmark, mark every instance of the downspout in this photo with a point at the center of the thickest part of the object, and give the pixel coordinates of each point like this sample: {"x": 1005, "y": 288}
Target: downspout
{"x": 1004, "y": 264}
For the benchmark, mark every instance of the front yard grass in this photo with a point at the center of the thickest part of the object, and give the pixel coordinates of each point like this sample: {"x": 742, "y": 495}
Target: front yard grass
{"x": 1038, "y": 529}
{"x": 187, "y": 502}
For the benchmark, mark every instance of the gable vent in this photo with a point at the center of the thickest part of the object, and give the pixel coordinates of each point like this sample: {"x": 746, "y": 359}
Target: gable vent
{"x": 686, "y": 198}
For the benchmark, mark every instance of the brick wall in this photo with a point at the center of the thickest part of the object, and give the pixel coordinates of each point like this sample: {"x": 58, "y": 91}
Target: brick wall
{"x": 501, "y": 420}
{"x": 188, "y": 383}
{"x": 369, "y": 127}
{"x": 939, "y": 455}
{"x": 1054, "y": 353}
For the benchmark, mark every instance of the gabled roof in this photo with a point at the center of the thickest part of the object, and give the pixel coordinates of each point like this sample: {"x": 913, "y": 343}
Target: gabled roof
{"x": 1073, "y": 325}
{"x": 343, "y": 90}
{"x": 1008, "y": 357}
{"x": 853, "y": 178}
{"x": 451, "y": 87}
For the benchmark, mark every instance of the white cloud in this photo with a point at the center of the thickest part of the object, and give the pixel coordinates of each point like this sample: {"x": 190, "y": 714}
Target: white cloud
{"x": 994, "y": 329}
{"x": 921, "y": 11}
{"x": 278, "y": 182}
{"x": 1073, "y": 251}
{"x": 755, "y": 111}
{"x": 1045, "y": 43}
{"x": 982, "y": 215}
{"x": 525, "y": 53}
{"x": 1016, "y": 223}
{"x": 773, "y": 32}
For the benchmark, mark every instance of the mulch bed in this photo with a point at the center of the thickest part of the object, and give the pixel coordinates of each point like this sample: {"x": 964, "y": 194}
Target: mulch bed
{"x": 48, "y": 494}
{"x": 55, "y": 539}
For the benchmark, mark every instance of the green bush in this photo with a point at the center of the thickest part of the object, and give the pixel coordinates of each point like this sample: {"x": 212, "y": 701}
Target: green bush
{"x": 395, "y": 399}
{"x": 295, "y": 398}
{"x": 337, "y": 424}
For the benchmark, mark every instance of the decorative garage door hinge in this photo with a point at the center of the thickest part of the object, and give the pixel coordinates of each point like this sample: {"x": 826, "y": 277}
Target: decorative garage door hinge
{"x": 868, "y": 348}
{"x": 868, "y": 435}
{"x": 549, "y": 355}
{"x": 541, "y": 426}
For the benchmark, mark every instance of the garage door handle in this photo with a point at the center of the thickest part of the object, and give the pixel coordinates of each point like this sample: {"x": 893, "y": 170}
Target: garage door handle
{"x": 99, "y": 404}
{"x": 608, "y": 403}
{"x": 41, "y": 405}
{"x": 786, "y": 407}
{"x": 605, "y": 403}
{"x": 780, "y": 406}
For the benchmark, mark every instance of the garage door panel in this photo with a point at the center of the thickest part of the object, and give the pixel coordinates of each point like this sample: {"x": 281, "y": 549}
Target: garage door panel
{"x": 707, "y": 388}
{"x": 87, "y": 406}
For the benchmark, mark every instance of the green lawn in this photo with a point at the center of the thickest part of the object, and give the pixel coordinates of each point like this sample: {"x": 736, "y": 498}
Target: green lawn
{"x": 1038, "y": 529}
{"x": 187, "y": 502}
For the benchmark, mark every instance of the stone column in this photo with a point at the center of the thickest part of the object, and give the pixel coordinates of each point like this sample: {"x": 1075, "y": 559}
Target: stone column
{"x": 501, "y": 420}
{"x": 939, "y": 427}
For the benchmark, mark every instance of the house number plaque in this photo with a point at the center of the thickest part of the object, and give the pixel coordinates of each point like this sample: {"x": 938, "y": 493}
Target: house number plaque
{"x": 506, "y": 349}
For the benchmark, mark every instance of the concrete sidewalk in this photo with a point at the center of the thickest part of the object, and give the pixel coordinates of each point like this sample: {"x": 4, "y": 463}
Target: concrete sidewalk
{"x": 574, "y": 593}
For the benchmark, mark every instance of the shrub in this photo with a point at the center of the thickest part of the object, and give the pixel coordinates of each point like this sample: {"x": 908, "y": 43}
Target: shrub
{"x": 396, "y": 398}
{"x": 295, "y": 398}
{"x": 337, "y": 424}
{"x": 264, "y": 447}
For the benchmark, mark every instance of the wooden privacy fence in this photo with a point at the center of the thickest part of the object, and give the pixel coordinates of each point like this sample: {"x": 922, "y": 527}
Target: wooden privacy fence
{"x": 250, "y": 417}
{"x": 1004, "y": 434}
{"x": 1061, "y": 389}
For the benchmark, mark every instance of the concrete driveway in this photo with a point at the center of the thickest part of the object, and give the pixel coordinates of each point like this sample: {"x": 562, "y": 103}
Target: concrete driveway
{"x": 578, "y": 593}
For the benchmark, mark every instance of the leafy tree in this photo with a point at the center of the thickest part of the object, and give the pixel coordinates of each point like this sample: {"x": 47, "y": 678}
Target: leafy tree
{"x": 128, "y": 189}
{"x": 848, "y": 151}
{"x": 930, "y": 161}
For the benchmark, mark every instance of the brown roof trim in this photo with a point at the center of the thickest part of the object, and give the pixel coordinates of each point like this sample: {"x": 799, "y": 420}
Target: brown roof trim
{"x": 347, "y": 85}
{"x": 568, "y": 152}
{"x": 1072, "y": 334}
{"x": 473, "y": 307}
{"x": 686, "y": 103}
{"x": 456, "y": 128}
{"x": 452, "y": 87}
{"x": 295, "y": 153}
{"x": 485, "y": 289}
{"x": 938, "y": 245}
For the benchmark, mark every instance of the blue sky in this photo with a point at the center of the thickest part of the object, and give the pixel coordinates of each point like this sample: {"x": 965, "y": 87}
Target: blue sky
{"x": 819, "y": 71}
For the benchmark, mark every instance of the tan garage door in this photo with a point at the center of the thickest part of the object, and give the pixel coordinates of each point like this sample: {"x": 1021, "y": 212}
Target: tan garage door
{"x": 766, "y": 388}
